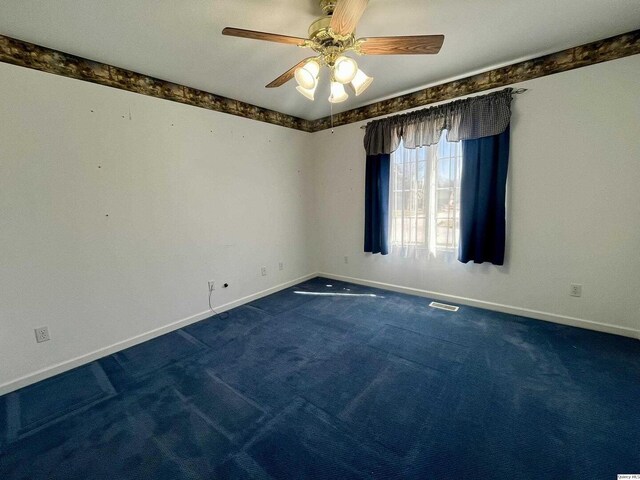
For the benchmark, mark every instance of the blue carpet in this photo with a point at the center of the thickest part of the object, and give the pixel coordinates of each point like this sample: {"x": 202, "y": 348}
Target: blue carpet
{"x": 332, "y": 380}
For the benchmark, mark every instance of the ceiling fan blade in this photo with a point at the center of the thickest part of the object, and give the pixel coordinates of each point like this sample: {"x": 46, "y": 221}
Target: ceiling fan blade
{"x": 346, "y": 15}
{"x": 288, "y": 75}
{"x": 269, "y": 37}
{"x": 408, "y": 45}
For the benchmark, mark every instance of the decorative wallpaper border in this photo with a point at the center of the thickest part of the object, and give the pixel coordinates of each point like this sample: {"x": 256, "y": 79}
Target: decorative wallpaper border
{"x": 24, "y": 54}
{"x": 589, "y": 54}
{"x": 18, "y": 52}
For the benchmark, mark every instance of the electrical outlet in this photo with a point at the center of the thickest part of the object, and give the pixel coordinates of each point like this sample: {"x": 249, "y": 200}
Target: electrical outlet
{"x": 346, "y": 259}
{"x": 575, "y": 290}
{"x": 263, "y": 270}
{"x": 212, "y": 285}
{"x": 42, "y": 334}
{"x": 280, "y": 266}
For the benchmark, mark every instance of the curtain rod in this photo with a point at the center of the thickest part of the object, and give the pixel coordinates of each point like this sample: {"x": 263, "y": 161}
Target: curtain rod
{"x": 515, "y": 92}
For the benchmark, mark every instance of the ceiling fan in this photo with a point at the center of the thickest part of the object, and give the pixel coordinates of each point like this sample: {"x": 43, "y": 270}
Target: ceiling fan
{"x": 331, "y": 36}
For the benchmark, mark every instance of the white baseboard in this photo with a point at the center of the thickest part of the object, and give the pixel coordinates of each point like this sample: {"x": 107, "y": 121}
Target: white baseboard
{"x": 61, "y": 367}
{"x": 498, "y": 307}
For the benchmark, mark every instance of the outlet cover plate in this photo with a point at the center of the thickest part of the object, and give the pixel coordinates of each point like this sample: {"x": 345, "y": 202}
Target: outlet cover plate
{"x": 42, "y": 334}
{"x": 575, "y": 290}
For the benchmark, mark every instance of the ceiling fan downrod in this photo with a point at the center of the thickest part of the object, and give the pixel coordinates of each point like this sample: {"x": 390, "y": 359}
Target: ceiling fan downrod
{"x": 328, "y": 6}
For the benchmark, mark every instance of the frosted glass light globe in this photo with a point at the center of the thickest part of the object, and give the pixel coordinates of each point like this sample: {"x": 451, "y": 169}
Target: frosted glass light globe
{"x": 307, "y": 92}
{"x": 361, "y": 82}
{"x": 307, "y": 75}
{"x": 344, "y": 69}
{"x": 338, "y": 93}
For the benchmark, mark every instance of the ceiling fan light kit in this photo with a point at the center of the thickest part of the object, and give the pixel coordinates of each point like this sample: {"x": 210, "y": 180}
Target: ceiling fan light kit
{"x": 307, "y": 92}
{"x": 331, "y": 36}
{"x": 338, "y": 93}
{"x": 361, "y": 82}
{"x": 307, "y": 75}
{"x": 345, "y": 69}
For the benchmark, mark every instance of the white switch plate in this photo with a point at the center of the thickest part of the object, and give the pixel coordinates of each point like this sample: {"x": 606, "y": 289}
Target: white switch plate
{"x": 263, "y": 270}
{"x": 281, "y": 266}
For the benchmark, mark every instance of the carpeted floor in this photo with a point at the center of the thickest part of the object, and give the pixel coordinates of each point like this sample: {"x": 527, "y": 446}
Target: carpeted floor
{"x": 333, "y": 380}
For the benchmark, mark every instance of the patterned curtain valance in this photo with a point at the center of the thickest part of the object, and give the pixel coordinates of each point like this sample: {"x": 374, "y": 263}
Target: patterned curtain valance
{"x": 467, "y": 119}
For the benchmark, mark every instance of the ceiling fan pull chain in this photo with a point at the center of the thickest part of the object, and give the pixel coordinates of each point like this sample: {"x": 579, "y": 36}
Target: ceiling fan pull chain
{"x": 331, "y": 106}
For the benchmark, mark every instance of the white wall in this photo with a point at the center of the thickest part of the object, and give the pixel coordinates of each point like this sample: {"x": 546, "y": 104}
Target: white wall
{"x": 190, "y": 194}
{"x": 193, "y": 195}
{"x": 573, "y": 207}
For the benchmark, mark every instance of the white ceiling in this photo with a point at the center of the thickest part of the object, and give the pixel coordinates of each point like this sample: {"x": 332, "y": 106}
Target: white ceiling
{"x": 180, "y": 41}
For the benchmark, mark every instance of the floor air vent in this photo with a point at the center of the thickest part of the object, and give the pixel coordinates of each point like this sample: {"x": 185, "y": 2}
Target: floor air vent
{"x": 444, "y": 306}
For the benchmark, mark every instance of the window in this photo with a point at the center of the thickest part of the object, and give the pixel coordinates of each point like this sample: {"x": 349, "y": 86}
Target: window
{"x": 425, "y": 198}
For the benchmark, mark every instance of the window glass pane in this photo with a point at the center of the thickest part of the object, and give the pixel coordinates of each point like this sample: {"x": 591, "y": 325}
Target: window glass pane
{"x": 425, "y": 196}
{"x": 422, "y": 170}
{"x": 398, "y": 200}
{"x": 422, "y": 230}
{"x": 446, "y": 174}
{"x": 442, "y": 146}
{"x": 420, "y": 207}
{"x": 408, "y": 177}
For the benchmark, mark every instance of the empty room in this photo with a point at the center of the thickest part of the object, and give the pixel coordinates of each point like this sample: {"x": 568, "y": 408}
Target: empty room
{"x": 319, "y": 239}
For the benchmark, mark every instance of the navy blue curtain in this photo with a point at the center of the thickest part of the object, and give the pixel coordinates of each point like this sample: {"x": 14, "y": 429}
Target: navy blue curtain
{"x": 482, "y": 199}
{"x": 376, "y": 209}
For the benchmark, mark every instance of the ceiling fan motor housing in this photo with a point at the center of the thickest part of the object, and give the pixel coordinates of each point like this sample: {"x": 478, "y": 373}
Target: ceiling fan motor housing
{"x": 326, "y": 42}
{"x": 319, "y": 29}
